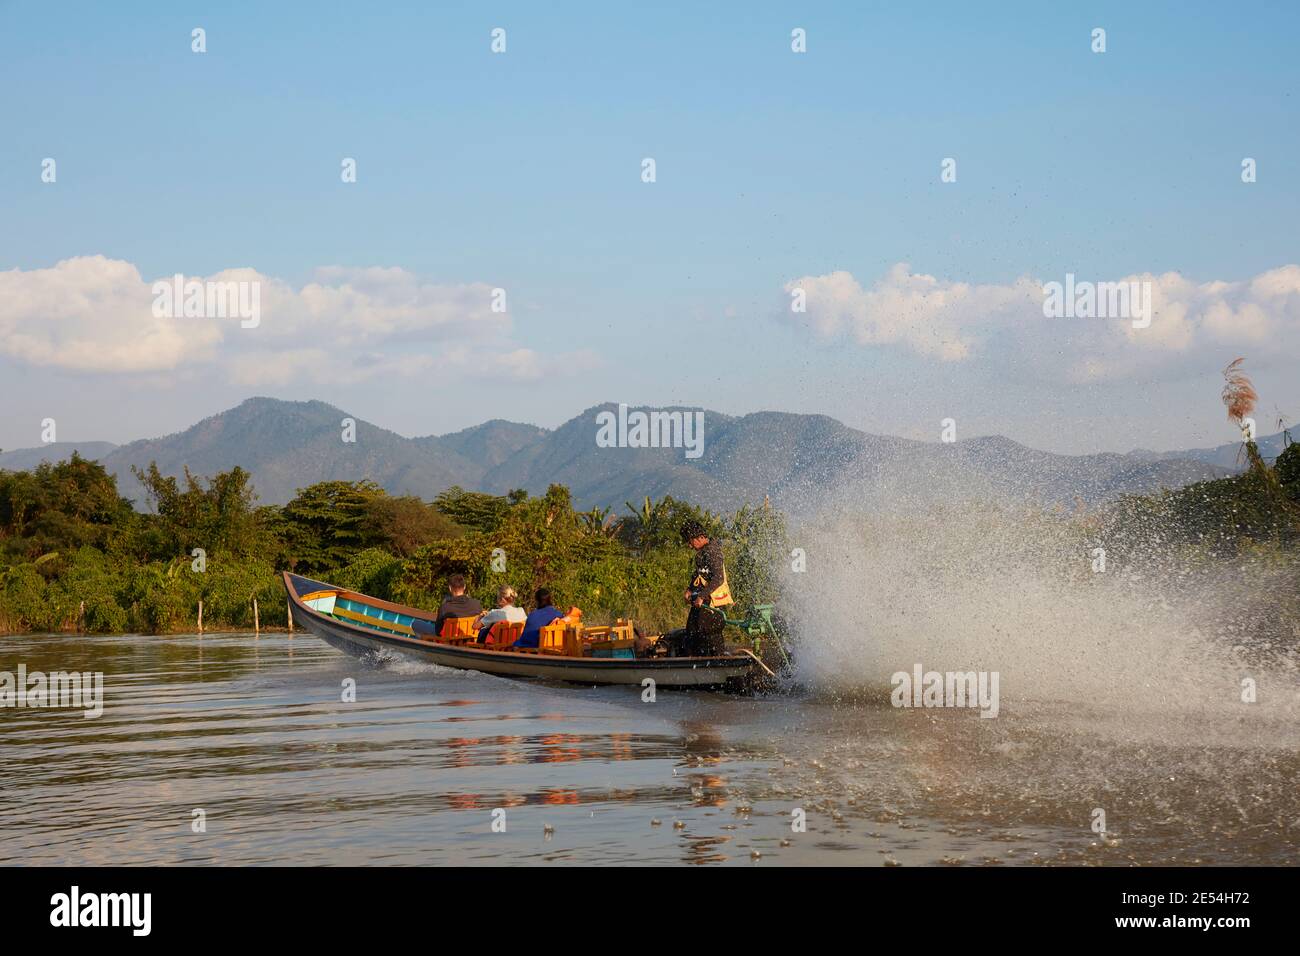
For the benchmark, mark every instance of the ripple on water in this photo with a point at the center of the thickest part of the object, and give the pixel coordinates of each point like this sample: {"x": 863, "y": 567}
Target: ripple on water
{"x": 254, "y": 733}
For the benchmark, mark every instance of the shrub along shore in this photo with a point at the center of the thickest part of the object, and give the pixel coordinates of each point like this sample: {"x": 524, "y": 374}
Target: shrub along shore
{"x": 76, "y": 556}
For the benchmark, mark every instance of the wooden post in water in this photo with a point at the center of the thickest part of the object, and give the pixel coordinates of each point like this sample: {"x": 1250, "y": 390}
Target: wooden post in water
{"x": 200, "y": 617}
{"x": 257, "y": 627}
{"x": 288, "y": 612}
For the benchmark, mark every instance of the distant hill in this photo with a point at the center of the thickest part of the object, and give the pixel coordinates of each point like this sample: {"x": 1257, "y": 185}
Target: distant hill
{"x": 486, "y": 445}
{"x": 1229, "y": 456}
{"x": 603, "y": 476}
{"x": 804, "y": 462}
{"x": 289, "y": 445}
{"x": 25, "y": 459}
{"x": 800, "y": 461}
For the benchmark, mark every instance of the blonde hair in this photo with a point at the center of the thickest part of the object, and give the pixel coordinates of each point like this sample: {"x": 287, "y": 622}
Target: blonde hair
{"x": 506, "y": 594}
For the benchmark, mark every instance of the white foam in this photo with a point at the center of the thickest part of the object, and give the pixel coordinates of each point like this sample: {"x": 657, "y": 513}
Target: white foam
{"x": 971, "y": 586}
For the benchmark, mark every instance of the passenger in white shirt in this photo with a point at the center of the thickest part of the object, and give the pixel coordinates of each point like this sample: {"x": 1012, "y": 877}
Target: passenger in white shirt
{"x": 504, "y": 611}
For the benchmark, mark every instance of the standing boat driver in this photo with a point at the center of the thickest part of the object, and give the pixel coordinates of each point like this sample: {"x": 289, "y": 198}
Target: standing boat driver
{"x": 707, "y": 595}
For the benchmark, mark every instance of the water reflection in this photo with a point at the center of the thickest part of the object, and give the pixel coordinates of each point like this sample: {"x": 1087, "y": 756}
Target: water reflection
{"x": 255, "y": 733}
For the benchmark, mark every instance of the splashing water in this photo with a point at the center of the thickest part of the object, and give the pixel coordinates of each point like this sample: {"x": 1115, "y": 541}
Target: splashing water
{"x": 1122, "y": 690}
{"x": 984, "y": 587}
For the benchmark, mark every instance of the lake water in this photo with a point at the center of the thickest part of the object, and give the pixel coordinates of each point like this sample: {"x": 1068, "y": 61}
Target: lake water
{"x": 253, "y": 732}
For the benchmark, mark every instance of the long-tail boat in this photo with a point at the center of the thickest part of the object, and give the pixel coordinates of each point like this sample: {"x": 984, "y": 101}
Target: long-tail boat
{"x": 362, "y": 625}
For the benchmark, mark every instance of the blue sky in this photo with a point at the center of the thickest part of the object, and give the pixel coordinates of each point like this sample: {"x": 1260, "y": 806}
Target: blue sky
{"x": 522, "y": 171}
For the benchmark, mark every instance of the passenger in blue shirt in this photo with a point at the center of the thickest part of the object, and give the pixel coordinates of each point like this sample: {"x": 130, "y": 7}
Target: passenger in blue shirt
{"x": 545, "y": 614}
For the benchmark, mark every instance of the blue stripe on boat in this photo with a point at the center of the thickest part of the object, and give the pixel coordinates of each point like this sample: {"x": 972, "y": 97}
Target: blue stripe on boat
{"x": 377, "y": 616}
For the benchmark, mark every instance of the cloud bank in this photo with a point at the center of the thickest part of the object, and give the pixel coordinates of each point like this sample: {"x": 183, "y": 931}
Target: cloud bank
{"x": 1192, "y": 323}
{"x": 95, "y": 314}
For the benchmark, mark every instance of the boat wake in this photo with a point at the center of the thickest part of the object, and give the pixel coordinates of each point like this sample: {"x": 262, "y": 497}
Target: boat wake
{"x": 378, "y": 659}
{"x": 989, "y": 588}
{"x": 403, "y": 666}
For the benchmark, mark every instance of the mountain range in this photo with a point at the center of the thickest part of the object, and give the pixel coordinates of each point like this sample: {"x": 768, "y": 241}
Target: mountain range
{"x": 1231, "y": 456}
{"x": 800, "y": 461}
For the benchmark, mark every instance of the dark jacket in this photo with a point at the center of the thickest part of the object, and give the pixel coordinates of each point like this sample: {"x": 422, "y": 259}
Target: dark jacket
{"x": 456, "y": 606}
{"x": 708, "y": 573}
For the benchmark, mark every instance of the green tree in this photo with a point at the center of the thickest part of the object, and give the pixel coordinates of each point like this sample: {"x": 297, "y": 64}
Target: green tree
{"x": 475, "y": 510}
{"x": 326, "y": 523}
{"x": 218, "y": 517}
{"x": 657, "y": 524}
{"x": 86, "y": 592}
{"x": 23, "y": 604}
{"x": 373, "y": 571}
{"x": 402, "y": 525}
{"x": 60, "y": 506}
{"x": 758, "y": 548}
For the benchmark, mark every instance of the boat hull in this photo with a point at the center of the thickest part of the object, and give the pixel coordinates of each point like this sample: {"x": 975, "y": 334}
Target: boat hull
{"x": 364, "y": 641}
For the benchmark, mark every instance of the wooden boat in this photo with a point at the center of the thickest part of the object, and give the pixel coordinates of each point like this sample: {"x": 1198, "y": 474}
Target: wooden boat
{"x": 361, "y": 625}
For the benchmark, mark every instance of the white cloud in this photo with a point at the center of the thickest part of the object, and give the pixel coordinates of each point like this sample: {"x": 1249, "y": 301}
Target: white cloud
{"x": 919, "y": 312}
{"x": 514, "y": 365}
{"x": 95, "y": 314}
{"x": 1192, "y": 323}
{"x": 528, "y": 365}
{"x": 379, "y": 304}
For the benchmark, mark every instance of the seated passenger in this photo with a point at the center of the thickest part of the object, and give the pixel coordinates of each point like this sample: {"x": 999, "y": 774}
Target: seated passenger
{"x": 504, "y": 611}
{"x": 545, "y": 614}
{"x": 458, "y": 604}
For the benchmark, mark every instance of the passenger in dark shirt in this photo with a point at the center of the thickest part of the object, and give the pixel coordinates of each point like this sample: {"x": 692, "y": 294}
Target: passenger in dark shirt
{"x": 459, "y": 604}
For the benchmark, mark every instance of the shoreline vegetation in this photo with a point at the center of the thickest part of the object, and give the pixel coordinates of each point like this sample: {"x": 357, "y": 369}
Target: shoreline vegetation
{"x": 75, "y": 556}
